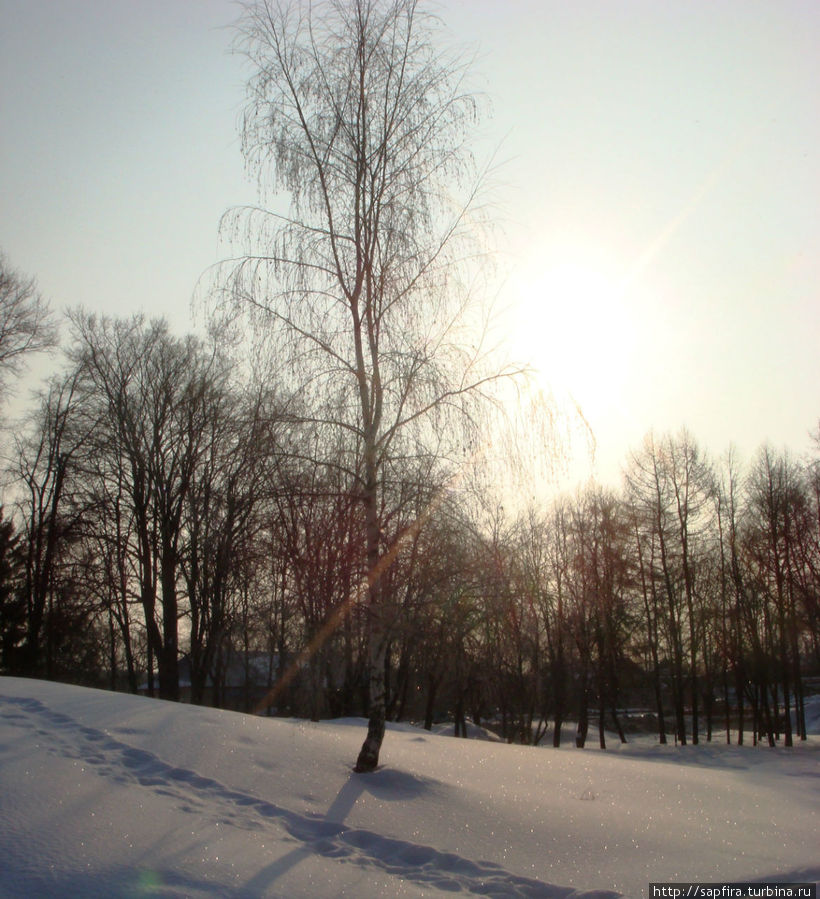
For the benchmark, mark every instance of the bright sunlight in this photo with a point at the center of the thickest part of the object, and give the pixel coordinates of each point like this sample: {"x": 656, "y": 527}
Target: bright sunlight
{"x": 573, "y": 324}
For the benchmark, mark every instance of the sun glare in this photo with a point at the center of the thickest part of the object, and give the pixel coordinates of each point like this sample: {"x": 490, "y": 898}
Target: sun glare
{"x": 573, "y": 326}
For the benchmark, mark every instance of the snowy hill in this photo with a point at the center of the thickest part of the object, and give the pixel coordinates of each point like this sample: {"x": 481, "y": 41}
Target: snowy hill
{"x": 106, "y": 795}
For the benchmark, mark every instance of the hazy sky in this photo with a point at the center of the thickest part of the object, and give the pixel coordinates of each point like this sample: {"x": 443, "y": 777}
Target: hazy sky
{"x": 659, "y": 188}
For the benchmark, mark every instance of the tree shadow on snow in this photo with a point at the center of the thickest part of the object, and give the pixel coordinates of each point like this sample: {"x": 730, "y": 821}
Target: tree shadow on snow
{"x": 328, "y": 836}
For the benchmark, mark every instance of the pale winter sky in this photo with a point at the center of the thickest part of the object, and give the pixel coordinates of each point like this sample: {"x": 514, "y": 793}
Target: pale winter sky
{"x": 659, "y": 188}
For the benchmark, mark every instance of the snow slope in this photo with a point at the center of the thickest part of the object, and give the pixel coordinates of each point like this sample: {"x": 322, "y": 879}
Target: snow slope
{"x": 106, "y": 795}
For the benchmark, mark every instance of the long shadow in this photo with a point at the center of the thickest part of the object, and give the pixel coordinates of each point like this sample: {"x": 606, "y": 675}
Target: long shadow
{"x": 796, "y": 875}
{"x": 425, "y": 866}
{"x": 323, "y": 835}
{"x": 331, "y": 827}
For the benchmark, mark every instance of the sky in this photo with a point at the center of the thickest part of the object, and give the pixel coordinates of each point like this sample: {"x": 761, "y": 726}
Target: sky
{"x": 656, "y": 181}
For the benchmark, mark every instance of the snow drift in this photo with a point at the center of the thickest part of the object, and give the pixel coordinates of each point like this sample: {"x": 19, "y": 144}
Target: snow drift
{"x": 111, "y": 795}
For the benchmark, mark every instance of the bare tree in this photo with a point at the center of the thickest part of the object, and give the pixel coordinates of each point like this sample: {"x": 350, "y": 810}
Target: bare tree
{"x": 12, "y": 597}
{"x": 645, "y": 548}
{"x": 778, "y": 501}
{"x": 43, "y": 461}
{"x": 652, "y": 496}
{"x": 153, "y": 396}
{"x": 26, "y": 323}
{"x": 221, "y": 506}
{"x": 811, "y": 550}
{"x": 690, "y": 477}
{"x": 554, "y": 613}
{"x": 111, "y": 574}
{"x": 360, "y": 118}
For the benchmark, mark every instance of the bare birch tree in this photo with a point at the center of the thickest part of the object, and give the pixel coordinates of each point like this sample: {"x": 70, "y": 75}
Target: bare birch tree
{"x": 359, "y": 117}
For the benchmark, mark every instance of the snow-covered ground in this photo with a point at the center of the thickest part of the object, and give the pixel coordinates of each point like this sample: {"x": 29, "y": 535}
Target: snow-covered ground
{"x": 105, "y": 795}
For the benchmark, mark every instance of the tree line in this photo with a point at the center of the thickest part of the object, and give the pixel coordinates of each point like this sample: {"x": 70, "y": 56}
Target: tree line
{"x": 171, "y": 505}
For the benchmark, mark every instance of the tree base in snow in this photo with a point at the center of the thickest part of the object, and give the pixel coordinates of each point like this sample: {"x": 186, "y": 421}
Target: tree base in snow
{"x": 368, "y": 759}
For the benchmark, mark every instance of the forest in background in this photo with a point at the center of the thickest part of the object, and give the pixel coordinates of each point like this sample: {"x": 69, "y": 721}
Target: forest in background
{"x": 175, "y": 533}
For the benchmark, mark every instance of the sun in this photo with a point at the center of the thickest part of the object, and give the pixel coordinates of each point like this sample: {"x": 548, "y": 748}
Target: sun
{"x": 573, "y": 324}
